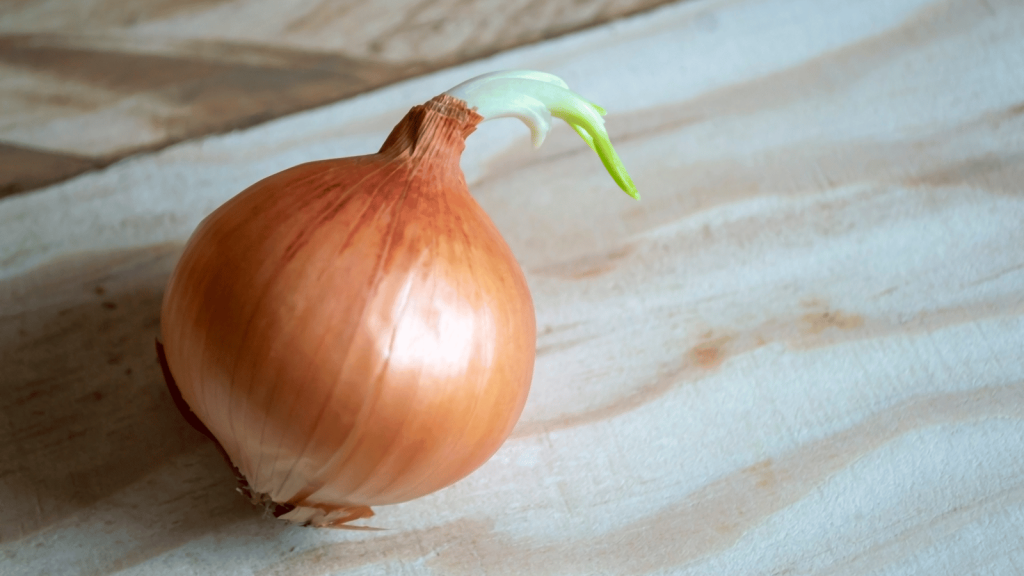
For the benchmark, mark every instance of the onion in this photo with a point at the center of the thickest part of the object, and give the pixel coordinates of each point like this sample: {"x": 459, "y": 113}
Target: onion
{"x": 355, "y": 332}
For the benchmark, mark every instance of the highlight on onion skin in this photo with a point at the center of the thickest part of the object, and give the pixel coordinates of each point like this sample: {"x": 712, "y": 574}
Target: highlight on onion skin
{"x": 355, "y": 332}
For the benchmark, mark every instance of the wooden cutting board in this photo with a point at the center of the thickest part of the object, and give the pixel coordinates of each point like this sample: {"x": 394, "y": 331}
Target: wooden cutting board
{"x": 800, "y": 353}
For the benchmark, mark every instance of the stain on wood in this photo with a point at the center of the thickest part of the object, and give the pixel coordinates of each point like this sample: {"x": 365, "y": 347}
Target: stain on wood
{"x": 710, "y": 353}
{"x": 820, "y": 321}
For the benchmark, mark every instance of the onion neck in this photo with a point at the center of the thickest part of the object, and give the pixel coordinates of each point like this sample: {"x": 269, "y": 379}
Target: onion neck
{"x": 534, "y": 97}
{"x": 435, "y": 131}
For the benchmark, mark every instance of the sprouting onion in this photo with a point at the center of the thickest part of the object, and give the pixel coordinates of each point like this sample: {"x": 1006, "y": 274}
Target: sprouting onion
{"x": 355, "y": 332}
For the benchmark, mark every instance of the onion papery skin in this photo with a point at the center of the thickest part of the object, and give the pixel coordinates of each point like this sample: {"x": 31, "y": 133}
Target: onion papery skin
{"x": 354, "y": 332}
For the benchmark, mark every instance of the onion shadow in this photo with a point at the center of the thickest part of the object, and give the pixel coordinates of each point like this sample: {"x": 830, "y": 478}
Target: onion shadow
{"x": 90, "y": 438}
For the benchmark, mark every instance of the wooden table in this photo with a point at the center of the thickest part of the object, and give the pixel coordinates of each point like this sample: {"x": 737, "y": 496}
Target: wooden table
{"x": 800, "y": 353}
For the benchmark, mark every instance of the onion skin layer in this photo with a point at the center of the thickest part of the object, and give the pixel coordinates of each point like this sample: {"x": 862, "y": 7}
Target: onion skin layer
{"x": 355, "y": 332}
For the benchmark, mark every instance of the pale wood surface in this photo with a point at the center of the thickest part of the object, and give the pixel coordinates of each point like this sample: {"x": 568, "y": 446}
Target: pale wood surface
{"x": 87, "y": 82}
{"x": 801, "y": 353}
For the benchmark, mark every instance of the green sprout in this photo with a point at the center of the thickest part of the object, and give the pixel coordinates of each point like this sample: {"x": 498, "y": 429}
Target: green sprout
{"x": 534, "y": 97}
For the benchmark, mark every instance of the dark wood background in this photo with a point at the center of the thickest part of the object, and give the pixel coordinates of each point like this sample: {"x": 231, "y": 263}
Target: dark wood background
{"x": 83, "y": 84}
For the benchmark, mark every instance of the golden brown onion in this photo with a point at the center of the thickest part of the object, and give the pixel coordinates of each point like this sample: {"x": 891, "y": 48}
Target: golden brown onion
{"x": 354, "y": 332}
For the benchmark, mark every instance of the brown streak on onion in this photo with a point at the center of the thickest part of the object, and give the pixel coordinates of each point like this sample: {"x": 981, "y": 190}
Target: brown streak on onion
{"x": 312, "y": 487}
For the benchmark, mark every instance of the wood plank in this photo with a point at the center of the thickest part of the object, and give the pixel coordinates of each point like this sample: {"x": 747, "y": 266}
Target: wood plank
{"x": 108, "y": 79}
{"x": 800, "y": 353}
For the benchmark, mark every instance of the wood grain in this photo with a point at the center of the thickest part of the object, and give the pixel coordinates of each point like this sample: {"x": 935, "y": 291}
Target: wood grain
{"x": 85, "y": 85}
{"x": 800, "y": 353}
